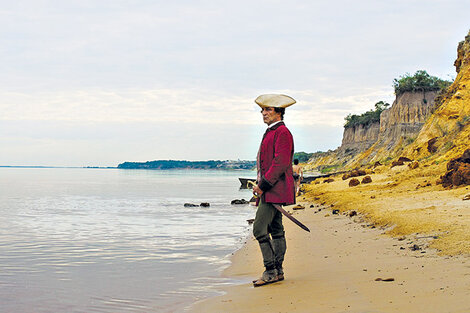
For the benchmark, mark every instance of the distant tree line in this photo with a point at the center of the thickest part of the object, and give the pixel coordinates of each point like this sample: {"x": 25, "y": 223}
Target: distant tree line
{"x": 182, "y": 164}
{"x": 420, "y": 81}
{"x": 367, "y": 118}
{"x": 302, "y": 156}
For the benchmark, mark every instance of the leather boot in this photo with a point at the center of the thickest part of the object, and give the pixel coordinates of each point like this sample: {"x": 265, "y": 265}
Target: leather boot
{"x": 279, "y": 247}
{"x": 270, "y": 274}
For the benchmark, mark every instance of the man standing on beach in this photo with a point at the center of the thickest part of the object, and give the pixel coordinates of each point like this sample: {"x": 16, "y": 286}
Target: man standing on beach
{"x": 275, "y": 185}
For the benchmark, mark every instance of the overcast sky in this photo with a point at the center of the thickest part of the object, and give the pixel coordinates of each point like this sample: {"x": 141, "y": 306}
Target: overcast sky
{"x": 97, "y": 83}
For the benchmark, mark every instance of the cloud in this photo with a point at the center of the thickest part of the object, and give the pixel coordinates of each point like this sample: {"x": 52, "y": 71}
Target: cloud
{"x": 149, "y": 79}
{"x": 192, "y": 106}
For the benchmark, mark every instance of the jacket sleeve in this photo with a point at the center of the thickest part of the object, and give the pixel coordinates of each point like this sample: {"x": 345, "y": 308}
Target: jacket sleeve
{"x": 282, "y": 160}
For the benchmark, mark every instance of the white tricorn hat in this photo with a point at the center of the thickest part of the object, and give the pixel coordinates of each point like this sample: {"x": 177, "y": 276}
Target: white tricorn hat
{"x": 274, "y": 101}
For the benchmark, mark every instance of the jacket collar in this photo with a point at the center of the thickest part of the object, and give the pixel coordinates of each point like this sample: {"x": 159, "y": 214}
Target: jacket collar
{"x": 275, "y": 126}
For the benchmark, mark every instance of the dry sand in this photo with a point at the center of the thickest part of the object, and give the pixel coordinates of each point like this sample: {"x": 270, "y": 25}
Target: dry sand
{"x": 334, "y": 267}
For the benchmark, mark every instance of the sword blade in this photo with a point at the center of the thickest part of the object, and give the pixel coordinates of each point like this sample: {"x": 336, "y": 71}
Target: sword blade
{"x": 293, "y": 219}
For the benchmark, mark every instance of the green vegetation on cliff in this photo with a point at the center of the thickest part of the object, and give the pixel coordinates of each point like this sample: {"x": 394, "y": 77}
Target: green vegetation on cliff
{"x": 420, "y": 81}
{"x": 367, "y": 118}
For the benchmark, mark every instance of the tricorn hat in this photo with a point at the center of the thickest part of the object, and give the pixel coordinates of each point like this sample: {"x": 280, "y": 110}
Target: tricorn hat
{"x": 274, "y": 101}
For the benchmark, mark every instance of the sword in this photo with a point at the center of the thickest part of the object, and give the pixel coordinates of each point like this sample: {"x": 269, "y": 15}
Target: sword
{"x": 280, "y": 209}
{"x": 293, "y": 219}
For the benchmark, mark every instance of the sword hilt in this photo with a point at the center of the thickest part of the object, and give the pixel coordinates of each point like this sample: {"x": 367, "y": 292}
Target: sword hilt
{"x": 253, "y": 184}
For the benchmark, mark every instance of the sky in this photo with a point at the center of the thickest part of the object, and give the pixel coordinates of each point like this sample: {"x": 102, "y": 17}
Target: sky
{"x": 101, "y": 82}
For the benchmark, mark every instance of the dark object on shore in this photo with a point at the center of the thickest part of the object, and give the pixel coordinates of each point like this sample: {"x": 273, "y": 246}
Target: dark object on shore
{"x": 205, "y": 204}
{"x": 239, "y": 201}
{"x": 329, "y": 180}
{"x": 250, "y": 221}
{"x": 415, "y": 247}
{"x": 335, "y": 211}
{"x": 190, "y": 205}
{"x": 397, "y": 163}
{"x": 467, "y": 197}
{"x": 458, "y": 171}
{"x": 366, "y": 180}
{"x": 432, "y": 145}
{"x": 352, "y": 213}
{"x": 385, "y": 279}
{"x": 354, "y": 182}
{"x": 298, "y": 207}
{"x": 354, "y": 173}
{"x": 404, "y": 159}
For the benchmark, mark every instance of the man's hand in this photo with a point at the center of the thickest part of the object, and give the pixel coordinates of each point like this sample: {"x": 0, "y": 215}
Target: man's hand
{"x": 257, "y": 191}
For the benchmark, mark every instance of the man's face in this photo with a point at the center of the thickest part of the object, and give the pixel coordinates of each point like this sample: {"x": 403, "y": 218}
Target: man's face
{"x": 270, "y": 116}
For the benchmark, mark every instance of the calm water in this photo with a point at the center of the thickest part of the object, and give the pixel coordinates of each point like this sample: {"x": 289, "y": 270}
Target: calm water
{"x": 96, "y": 240}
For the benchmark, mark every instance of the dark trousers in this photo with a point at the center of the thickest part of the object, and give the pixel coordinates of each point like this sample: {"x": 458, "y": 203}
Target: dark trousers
{"x": 268, "y": 220}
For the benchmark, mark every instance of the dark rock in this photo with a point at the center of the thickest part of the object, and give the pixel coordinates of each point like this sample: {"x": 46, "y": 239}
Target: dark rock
{"x": 205, "y": 204}
{"x": 467, "y": 197}
{"x": 298, "y": 207}
{"x": 354, "y": 182}
{"x": 385, "y": 279}
{"x": 352, "y": 213}
{"x": 250, "y": 221}
{"x": 458, "y": 171}
{"x": 239, "y": 201}
{"x": 354, "y": 173}
{"x": 329, "y": 180}
{"x": 404, "y": 159}
{"x": 367, "y": 179}
{"x": 415, "y": 247}
{"x": 190, "y": 205}
{"x": 432, "y": 145}
{"x": 335, "y": 211}
{"x": 397, "y": 163}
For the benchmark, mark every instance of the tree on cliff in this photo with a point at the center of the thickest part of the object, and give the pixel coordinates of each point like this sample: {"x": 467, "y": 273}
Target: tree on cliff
{"x": 367, "y": 118}
{"x": 420, "y": 81}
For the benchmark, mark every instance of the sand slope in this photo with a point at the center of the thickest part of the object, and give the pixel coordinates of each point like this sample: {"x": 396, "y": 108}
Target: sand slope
{"x": 334, "y": 269}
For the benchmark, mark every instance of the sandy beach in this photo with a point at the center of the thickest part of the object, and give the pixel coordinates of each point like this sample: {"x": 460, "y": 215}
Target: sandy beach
{"x": 406, "y": 250}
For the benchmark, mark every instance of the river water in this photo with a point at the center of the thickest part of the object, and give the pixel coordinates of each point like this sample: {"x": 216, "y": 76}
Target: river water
{"x": 111, "y": 240}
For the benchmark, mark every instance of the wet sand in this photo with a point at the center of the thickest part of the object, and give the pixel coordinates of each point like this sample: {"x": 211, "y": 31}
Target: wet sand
{"x": 336, "y": 267}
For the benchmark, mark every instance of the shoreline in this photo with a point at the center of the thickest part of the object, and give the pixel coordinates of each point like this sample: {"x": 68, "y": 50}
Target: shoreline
{"x": 336, "y": 267}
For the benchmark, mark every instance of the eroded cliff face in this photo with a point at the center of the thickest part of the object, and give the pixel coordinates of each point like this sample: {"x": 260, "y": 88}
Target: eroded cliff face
{"x": 448, "y": 129}
{"x": 360, "y": 135}
{"x": 399, "y": 125}
{"x": 419, "y": 126}
{"x": 406, "y": 115}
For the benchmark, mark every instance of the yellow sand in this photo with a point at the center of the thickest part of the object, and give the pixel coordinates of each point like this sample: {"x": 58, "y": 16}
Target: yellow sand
{"x": 334, "y": 267}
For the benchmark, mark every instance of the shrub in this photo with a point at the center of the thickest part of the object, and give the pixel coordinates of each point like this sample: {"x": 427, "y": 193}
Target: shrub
{"x": 420, "y": 81}
{"x": 367, "y": 118}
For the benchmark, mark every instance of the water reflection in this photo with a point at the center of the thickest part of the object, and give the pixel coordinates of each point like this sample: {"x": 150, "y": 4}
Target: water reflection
{"x": 113, "y": 241}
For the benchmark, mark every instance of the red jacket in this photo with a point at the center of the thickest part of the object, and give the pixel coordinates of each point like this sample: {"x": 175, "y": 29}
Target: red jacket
{"x": 274, "y": 163}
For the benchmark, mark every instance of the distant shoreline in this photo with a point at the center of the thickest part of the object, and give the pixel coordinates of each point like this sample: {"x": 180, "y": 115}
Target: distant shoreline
{"x": 43, "y": 166}
{"x": 184, "y": 164}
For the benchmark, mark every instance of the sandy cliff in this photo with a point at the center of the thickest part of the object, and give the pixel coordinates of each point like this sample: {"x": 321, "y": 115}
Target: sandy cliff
{"x": 422, "y": 126}
{"x": 399, "y": 125}
{"x": 446, "y": 134}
